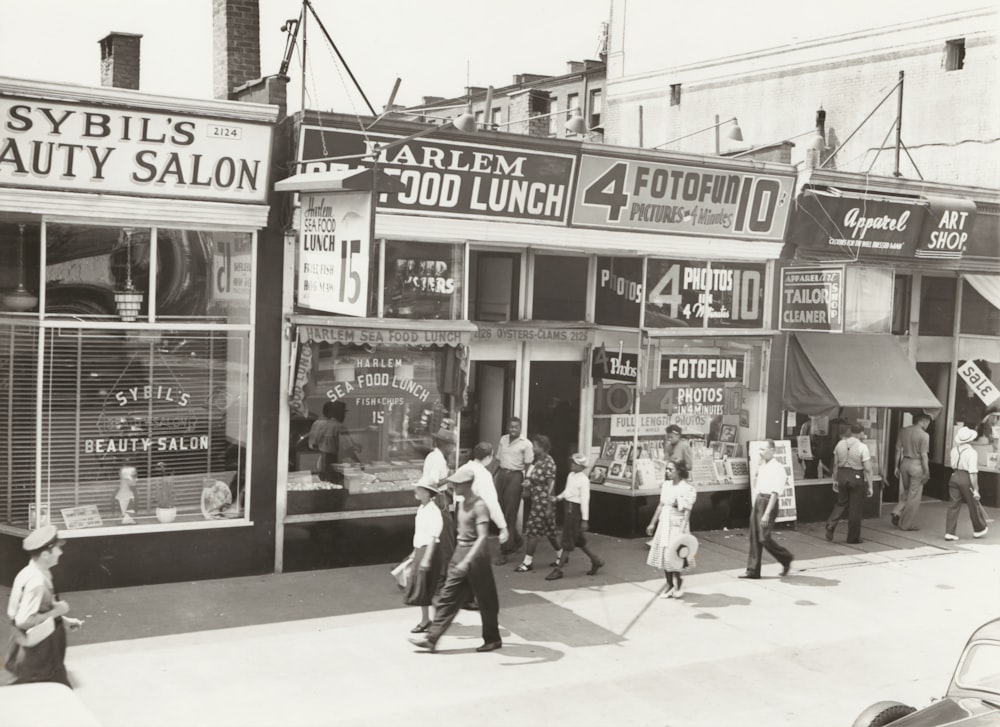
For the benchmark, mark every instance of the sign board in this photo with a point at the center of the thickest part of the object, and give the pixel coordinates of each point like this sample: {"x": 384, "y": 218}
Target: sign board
{"x": 812, "y": 299}
{"x": 335, "y": 252}
{"x": 783, "y": 454}
{"x": 98, "y": 148}
{"x": 83, "y": 516}
{"x": 681, "y": 199}
{"x": 682, "y": 368}
{"x": 680, "y": 293}
{"x": 542, "y": 334}
{"x": 618, "y": 298}
{"x": 979, "y": 382}
{"x": 614, "y": 366}
{"x": 454, "y": 178}
{"x": 232, "y": 277}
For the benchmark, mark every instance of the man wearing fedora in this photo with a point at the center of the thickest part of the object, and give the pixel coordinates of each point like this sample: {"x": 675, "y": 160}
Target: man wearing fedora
{"x": 771, "y": 479}
{"x": 963, "y": 487}
{"x": 469, "y": 570}
{"x": 37, "y": 649}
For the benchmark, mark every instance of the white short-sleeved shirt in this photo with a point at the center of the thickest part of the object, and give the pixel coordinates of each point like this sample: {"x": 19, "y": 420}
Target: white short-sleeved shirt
{"x": 771, "y": 478}
{"x": 30, "y": 587}
{"x": 965, "y": 458}
{"x": 484, "y": 487}
{"x": 428, "y": 525}
{"x": 435, "y": 468}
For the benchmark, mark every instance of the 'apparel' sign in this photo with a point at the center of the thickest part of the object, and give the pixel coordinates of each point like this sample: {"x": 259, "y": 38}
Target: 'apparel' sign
{"x": 812, "y": 299}
{"x": 121, "y": 151}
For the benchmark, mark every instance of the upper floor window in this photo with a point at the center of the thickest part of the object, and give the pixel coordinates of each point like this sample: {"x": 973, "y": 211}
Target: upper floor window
{"x": 954, "y": 55}
{"x": 937, "y": 306}
{"x": 675, "y": 94}
{"x": 595, "y": 108}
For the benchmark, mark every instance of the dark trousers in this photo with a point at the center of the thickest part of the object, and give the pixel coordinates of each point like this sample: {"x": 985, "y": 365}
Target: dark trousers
{"x": 761, "y": 537}
{"x": 960, "y": 492}
{"x": 509, "y": 486}
{"x": 456, "y": 590}
{"x": 851, "y": 492}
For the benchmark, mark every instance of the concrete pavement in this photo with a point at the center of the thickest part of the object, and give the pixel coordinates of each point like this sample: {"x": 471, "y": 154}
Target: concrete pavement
{"x": 851, "y": 625}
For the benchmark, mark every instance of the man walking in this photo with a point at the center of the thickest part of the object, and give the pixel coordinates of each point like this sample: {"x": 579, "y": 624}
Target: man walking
{"x": 771, "y": 479}
{"x": 676, "y": 449}
{"x": 852, "y": 476}
{"x": 514, "y": 454}
{"x": 468, "y": 572}
{"x": 912, "y": 471}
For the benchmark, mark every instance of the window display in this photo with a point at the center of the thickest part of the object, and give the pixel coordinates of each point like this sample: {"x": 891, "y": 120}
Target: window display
{"x": 977, "y": 406}
{"x": 813, "y": 439}
{"x": 424, "y": 280}
{"x": 682, "y": 293}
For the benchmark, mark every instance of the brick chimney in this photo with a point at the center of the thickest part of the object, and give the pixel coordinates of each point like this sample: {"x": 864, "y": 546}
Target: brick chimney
{"x": 529, "y": 108}
{"x": 235, "y": 45}
{"x": 120, "y": 60}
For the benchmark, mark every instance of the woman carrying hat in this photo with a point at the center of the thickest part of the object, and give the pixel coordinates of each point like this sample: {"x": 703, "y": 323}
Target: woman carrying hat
{"x": 672, "y": 520}
{"x": 35, "y": 606}
{"x": 576, "y": 495}
{"x": 964, "y": 485}
{"x": 427, "y": 563}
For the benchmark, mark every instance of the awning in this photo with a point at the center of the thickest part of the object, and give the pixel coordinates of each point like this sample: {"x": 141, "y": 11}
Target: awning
{"x": 826, "y": 371}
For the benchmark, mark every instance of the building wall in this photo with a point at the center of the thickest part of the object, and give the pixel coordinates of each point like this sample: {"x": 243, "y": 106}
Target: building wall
{"x": 950, "y": 120}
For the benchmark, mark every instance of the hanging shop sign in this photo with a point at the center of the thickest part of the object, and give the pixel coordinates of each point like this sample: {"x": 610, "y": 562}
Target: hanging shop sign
{"x": 859, "y": 226}
{"x": 979, "y": 382}
{"x": 618, "y": 299}
{"x": 614, "y": 365}
{"x": 334, "y": 252}
{"x": 454, "y": 178}
{"x": 632, "y": 194}
{"x": 703, "y": 294}
{"x": 812, "y": 299}
{"x": 96, "y": 148}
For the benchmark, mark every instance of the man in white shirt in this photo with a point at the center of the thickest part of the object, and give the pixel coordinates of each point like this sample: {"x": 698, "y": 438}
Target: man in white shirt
{"x": 436, "y": 462}
{"x": 770, "y": 483}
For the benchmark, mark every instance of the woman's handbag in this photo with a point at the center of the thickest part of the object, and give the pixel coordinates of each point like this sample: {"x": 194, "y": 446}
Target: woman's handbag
{"x": 402, "y": 573}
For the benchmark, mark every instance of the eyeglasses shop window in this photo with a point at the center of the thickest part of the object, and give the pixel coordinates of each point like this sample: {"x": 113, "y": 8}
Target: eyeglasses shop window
{"x": 424, "y": 280}
{"x": 137, "y": 426}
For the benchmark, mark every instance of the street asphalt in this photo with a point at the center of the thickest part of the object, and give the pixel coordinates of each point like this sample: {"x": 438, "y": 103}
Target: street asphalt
{"x": 850, "y": 625}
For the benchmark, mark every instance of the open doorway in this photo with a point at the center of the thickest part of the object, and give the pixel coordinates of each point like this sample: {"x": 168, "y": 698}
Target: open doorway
{"x": 490, "y": 404}
{"x": 554, "y": 409}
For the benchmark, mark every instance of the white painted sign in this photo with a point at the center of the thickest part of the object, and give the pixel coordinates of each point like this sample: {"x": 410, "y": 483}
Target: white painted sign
{"x": 623, "y": 425}
{"x": 93, "y": 148}
{"x": 334, "y": 252}
{"x": 979, "y": 382}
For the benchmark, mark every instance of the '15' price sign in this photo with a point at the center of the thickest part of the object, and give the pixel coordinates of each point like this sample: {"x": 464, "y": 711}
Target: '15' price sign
{"x": 335, "y": 239}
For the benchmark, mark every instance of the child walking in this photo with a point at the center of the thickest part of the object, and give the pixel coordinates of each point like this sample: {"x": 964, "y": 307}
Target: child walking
{"x": 671, "y": 520}
{"x": 427, "y": 556}
{"x": 576, "y": 495}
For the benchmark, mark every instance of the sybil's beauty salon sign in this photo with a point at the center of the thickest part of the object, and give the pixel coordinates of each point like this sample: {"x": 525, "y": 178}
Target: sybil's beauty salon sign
{"x": 96, "y": 148}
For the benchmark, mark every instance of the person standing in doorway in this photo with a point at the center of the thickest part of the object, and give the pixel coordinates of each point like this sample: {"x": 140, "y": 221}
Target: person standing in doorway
{"x": 539, "y": 503}
{"x": 514, "y": 454}
{"x": 852, "y": 481}
{"x": 576, "y": 522}
{"x": 468, "y": 572}
{"x": 34, "y": 603}
{"x": 912, "y": 471}
{"x": 771, "y": 480}
{"x": 963, "y": 487}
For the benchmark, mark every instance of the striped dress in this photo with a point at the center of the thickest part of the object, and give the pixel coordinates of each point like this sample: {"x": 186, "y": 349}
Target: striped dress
{"x": 677, "y": 500}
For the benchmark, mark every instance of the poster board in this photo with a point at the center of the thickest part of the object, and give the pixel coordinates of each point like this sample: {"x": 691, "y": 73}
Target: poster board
{"x": 783, "y": 454}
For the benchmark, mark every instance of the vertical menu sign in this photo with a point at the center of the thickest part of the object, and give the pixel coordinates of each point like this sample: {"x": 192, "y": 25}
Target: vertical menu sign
{"x": 334, "y": 253}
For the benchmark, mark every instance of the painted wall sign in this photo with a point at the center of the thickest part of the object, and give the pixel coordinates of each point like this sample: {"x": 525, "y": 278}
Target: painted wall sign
{"x": 812, "y": 299}
{"x": 334, "y": 252}
{"x": 91, "y": 148}
{"x": 501, "y": 332}
{"x": 619, "y": 291}
{"x": 455, "y": 178}
{"x": 700, "y": 294}
{"x": 946, "y": 231}
{"x": 979, "y": 382}
{"x": 390, "y": 336}
{"x": 683, "y": 368}
{"x": 630, "y": 194}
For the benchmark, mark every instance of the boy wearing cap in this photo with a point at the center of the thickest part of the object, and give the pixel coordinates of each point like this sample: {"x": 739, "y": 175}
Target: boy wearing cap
{"x": 576, "y": 495}
{"x": 469, "y": 570}
{"x": 964, "y": 485}
{"x": 34, "y": 602}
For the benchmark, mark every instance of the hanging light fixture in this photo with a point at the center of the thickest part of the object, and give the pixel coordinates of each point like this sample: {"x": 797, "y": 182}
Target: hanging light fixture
{"x": 20, "y": 299}
{"x": 128, "y": 300}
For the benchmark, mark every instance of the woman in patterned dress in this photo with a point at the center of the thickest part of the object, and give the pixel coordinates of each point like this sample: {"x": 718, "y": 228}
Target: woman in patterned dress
{"x": 539, "y": 503}
{"x": 671, "y": 520}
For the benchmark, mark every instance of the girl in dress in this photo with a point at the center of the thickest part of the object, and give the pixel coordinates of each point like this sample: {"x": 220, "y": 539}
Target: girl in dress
{"x": 427, "y": 564}
{"x": 671, "y": 520}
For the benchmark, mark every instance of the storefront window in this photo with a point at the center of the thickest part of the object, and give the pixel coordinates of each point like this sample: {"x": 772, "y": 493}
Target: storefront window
{"x": 868, "y": 298}
{"x": 560, "y": 288}
{"x": 707, "y": 387}
{"x": 204, "y": 275}
{"x": 981, "y": 305}
{"x": 813, "y": 439}
{"x": 977, "y": 406}
{"x": 619, "y": 291}
{"x": 363, "y": 419}
{"x": 494, "y": 283}
{"x": 937, "y": 306}
{"x": 19, "y": 266}
{"x": 424, "y": 280}
{"x": 163, "y": 412}
{"x": 704, "y": 294}
{"x": 902, "y": 287}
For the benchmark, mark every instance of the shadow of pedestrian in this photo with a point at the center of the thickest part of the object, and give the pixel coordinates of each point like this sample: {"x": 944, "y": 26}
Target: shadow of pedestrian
{"x": 529, "y": 654}
{"x": 713, "y": 600}
{"x": 800, "y": 580}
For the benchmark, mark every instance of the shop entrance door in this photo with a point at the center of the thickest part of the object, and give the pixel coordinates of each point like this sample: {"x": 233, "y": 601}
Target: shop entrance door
{"x": 490, "y": 404}
{"x": 554, "y": 409}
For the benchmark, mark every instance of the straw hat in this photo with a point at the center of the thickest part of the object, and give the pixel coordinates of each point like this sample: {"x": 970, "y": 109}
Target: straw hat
{"x": 579, "y": 459}
{"x": 461, "y": 475}
{"x": 429, "y": 486}
{"x": 681, "y": 552}
{"x": 965, "y": 435}
{"x": 41, "y": 538}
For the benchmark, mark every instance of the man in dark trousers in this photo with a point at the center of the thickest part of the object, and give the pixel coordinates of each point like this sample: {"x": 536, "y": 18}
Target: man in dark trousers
{"x": 469, "y": 570}
{"x": 771, "y": 479}
{"x": 912, "y": 471}
{"x": 514, "y": 454}
{"x": 852, "y": 481}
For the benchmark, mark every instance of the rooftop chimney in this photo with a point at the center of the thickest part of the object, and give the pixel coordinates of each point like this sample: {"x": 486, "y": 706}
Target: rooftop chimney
{"x": 120, "y": 60}
{"x": 236, "y": 45}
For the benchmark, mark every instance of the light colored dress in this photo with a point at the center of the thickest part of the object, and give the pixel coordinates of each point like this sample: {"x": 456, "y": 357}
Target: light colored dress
{"x": 677, "y": 499}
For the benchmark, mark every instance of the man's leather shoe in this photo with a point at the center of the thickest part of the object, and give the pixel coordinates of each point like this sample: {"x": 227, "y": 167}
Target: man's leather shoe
{"x": 490, "y": 646}
{"x": 594, "y": 567}
{"x": 787, "y": 567}
{"x": 555, "y": 575}
{"x": 829, "y": 533}
{"x": 895, "y": 519}
{"x": 751, "y": 576}
{"x": 471, "y": 606}
{"x": 423, "y": 642}
{"x": 855, "y": 542}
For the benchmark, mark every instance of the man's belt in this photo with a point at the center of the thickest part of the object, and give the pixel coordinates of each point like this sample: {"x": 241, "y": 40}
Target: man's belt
{"x": 508, "y": 469}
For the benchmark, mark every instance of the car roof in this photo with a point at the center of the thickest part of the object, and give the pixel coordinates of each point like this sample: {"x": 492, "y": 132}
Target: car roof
{"x": 989, "y": 630}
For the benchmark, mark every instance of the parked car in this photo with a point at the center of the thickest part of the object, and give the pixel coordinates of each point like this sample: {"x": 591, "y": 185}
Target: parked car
{"x": 973, "y": 696}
